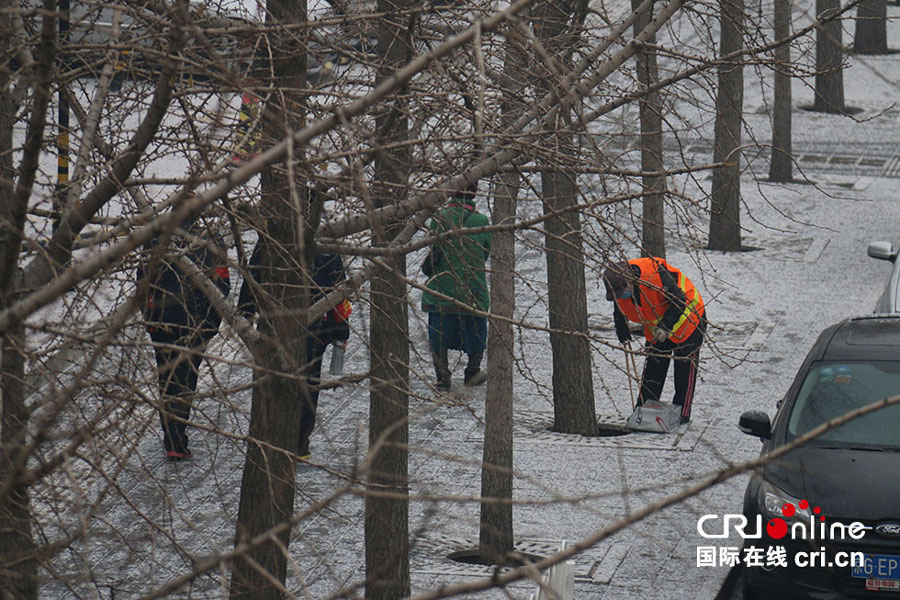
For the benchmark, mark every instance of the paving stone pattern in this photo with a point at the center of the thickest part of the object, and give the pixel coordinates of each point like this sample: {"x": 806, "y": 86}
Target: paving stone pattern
{"x": 766, "y": 308}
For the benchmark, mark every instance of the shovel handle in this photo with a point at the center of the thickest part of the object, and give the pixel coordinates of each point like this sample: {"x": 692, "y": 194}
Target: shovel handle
{"x": 629, "y": 363}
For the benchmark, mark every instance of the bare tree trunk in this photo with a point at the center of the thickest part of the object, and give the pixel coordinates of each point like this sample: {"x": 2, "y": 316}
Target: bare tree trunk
{"x": 653, "y": 221}
{"x": 18, "y": 567}
{"x": 387, "y": 518}
{"x": 267, "y": 484}
{"x": 829, "y": 60}
{"x": 725, "y": 204}
{"x": 495, "y": 538}
{"x": 871, "y": 27}
{"x": 12, "y": 209}
{"x": 782, "y": 162}
{"x": 573, "y": 391}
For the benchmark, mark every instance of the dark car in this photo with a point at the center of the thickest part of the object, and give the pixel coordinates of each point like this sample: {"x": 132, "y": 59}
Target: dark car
{"x": 832, "y": 504}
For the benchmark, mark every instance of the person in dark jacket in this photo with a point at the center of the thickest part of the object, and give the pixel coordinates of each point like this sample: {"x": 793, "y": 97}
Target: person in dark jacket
{"x": 181, "y": 321}
{"x": 660, "y": 297}
{"x": 328, "y": 272}
{"x": 457, "y": 279}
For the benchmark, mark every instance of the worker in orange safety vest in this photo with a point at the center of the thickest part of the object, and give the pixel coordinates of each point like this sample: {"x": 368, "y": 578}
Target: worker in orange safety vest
{"x": 665, "y": 302}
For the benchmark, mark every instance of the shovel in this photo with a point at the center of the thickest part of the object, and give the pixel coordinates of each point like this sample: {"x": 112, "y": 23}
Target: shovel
{"x": 631, "y": 370}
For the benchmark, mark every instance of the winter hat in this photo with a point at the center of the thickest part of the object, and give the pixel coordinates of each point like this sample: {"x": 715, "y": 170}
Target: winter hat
{"x": 468, "y": 194}
{"x": 617, "y": 279}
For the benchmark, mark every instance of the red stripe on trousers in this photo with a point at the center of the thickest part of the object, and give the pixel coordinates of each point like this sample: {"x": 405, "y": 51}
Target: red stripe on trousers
{"x": 692, "y": 380}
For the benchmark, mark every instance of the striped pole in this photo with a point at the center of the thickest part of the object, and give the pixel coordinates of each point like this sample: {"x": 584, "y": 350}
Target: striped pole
{"x": 62, "y": 136}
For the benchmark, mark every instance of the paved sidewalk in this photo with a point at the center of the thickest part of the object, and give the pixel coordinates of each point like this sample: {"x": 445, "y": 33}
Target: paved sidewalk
{"x": 766, "y": 307}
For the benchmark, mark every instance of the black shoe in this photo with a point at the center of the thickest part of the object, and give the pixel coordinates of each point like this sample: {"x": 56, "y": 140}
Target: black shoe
{"x": 474, "y": 377}
{"x": 685, "y": 419}
{"x": 441, "y": 370}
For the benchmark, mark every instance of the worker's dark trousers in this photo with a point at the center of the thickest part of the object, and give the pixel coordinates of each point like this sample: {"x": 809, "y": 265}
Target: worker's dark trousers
{"x": 687, "y": 357}
{"x": 314, "y": 351}
{"x": 179, "y": 352}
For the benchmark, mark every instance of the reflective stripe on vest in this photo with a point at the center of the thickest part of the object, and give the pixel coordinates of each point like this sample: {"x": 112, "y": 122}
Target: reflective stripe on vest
{"x": 654, "y": 304}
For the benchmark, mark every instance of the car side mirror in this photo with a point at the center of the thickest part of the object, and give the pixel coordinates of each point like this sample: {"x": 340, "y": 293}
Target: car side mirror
{"x": 756, "y": 423}
{"x": 882, "y": 251}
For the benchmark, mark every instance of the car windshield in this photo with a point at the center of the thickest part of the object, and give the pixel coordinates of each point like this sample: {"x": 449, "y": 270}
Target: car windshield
{"x": 834, "y": 389}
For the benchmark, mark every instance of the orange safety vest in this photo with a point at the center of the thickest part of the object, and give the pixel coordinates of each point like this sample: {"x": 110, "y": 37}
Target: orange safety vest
{"x": 654, "y": 304}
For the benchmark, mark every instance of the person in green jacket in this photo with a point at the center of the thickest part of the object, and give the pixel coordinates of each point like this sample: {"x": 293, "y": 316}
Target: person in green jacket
{"x": 457, "y": 286}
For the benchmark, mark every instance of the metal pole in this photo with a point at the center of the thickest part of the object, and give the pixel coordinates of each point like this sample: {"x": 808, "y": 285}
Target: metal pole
{"x": 62, "y": 136}
{"x": 629, "y": 361}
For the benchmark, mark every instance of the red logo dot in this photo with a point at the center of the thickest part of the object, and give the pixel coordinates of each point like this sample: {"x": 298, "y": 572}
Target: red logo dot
{"x": 777, "y": 528}
{"x": 817, "y": 510}
{"x": 804, "y": 504}
{"x": 788, "y": 510}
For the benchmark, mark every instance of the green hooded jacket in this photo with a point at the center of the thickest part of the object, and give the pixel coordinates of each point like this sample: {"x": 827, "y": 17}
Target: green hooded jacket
{"x": 458, "y": 263}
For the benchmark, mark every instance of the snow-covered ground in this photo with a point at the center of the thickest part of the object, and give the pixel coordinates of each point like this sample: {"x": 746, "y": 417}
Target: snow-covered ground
{"x": 765, "y": 307}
